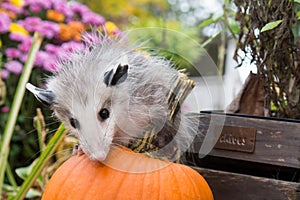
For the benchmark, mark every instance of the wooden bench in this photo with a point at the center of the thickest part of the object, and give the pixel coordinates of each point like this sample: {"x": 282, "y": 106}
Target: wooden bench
{"x": 254, "y": 158}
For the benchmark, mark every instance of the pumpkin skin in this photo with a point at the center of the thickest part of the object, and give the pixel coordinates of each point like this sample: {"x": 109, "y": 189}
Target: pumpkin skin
{"x": 82, "y": 178}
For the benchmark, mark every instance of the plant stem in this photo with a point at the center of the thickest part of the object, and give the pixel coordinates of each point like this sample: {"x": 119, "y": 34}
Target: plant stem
{"x": 226, "y": 21}
{"x": 16, "y": 104}
{"x": 42, "y": 161}
{"x": 11, "y": 177}
{"x": 209, "y": 40}
{"x": 40, "y": 128}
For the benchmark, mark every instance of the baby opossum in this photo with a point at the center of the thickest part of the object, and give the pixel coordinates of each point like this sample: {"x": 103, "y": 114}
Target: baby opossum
{"x": 113, "y": 94}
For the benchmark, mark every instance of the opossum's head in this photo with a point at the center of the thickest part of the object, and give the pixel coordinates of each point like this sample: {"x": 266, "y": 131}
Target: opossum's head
{"x": 108, "y": 94}
{"x": 86, "y": 108}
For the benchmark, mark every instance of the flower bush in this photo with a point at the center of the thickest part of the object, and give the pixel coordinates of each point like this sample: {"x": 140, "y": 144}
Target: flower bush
{"x": 62, "y": 24}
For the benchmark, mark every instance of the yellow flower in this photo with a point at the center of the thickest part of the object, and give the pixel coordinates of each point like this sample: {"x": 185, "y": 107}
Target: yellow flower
{"x": 110, "y": 27}
{"x": 16, "y": 28}
{"x": 0, "y": 43}
{"x": 18, "y": 3}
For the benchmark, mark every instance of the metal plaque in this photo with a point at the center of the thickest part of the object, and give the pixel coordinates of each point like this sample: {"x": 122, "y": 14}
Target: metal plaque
{"x": 237, "y": 138}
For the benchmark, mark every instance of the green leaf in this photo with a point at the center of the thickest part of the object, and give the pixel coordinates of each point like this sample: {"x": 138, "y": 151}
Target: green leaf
{"x": 296, "y": 1}
{"x": 235, "y": 28}
{"x": 209, "y": 21}
{"x": 298, "y": 14}
{"x": 33, "y": 193}
{"x": 23, "y": 172}
{"x": 271, "y": 25}
{"x": 8, "y": 188}
{"x": 206, "y": 22}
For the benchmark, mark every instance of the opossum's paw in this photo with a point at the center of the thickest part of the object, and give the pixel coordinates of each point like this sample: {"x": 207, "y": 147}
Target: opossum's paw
{"x": 77, "y": 150}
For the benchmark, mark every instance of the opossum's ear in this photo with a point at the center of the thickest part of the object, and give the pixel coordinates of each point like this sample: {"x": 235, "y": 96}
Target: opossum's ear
{"x": 45, "y": 96}
{"x": 116, "y": 75}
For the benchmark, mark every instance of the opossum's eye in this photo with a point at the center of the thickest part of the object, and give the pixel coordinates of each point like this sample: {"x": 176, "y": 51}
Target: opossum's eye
{"x": 74, "y": 123}
{"x": 103, "y": 114}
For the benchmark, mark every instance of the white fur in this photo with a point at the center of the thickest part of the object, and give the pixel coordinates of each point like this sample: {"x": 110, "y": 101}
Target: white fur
{"x": 136, "y": 105}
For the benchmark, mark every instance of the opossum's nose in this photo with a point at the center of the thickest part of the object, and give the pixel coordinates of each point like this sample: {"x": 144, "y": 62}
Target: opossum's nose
{"x": 100, "y": 156}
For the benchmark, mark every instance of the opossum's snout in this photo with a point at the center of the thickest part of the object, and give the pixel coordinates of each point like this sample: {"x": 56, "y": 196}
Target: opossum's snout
{"x": 95, "y": 131}
{"x": 99, "y": 156}
{"x": 96, "y": 150}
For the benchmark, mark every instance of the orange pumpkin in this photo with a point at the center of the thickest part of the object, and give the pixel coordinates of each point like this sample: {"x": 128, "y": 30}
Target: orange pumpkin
{"x": 125, "y": 175}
